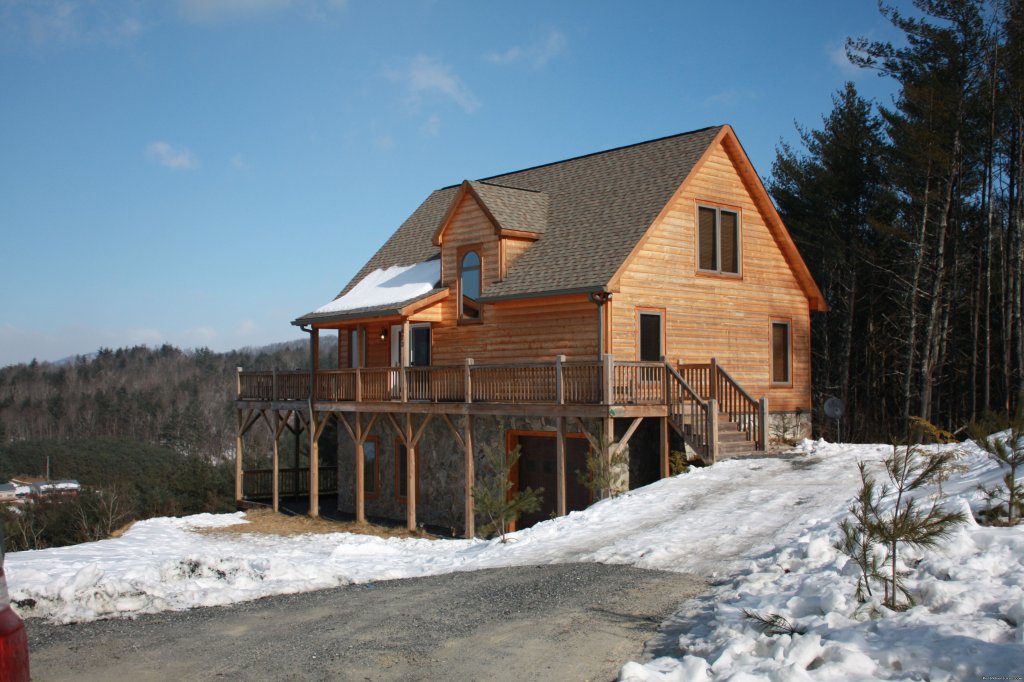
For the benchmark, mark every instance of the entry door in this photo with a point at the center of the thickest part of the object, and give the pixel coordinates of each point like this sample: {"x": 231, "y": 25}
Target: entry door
{"x": 650, "y": 337}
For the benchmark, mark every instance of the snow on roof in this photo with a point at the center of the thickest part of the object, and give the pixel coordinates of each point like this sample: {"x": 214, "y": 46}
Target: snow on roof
{"x": 389, "y": 285}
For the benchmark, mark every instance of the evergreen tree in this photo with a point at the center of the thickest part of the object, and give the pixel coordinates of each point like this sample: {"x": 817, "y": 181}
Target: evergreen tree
{"x": 494, "y": 496}
{"x": 833, "y": 198}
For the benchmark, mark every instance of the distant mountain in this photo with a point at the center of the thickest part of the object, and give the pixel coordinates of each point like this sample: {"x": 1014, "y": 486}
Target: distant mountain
{"x": 164, "y": 396}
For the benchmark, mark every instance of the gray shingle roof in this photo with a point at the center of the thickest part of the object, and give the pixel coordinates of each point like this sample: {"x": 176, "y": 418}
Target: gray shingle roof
{"x": 598, "y": 207}
{"x": 514, "y": 209}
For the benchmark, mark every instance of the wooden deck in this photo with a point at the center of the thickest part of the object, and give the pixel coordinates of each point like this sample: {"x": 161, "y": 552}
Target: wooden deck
{"x": 697, "y": 401}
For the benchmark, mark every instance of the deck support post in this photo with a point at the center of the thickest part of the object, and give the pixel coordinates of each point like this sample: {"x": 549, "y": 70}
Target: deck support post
{"x": 470, "y": 512}
{"x": 276, "y": 485}
{"x": 561, "y": 506}
{"x": 608, "y": 449}
{"x": 664, "y": 449}
{"x": 314, "y": 465}
{"x": 763, "y": 423}
{"x": 357, "y": 436}
{"x": 469, "y": 380}
{"x": 238, "y": 462}
{"x": 410, "y": 474}
{"x": 712, "y": 431}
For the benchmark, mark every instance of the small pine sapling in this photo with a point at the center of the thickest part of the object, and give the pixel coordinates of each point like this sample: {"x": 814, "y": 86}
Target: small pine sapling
{"x": 493, "y": 494}
{"x": 605, "y": 464}
{"x": 890, "y": 515}
{"x": 1009, "y": 453}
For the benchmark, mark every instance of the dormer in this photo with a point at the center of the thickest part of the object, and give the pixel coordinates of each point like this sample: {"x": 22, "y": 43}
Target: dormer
{"x": 484, "y": 232}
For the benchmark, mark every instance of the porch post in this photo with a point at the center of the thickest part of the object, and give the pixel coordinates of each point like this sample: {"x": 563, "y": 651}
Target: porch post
{"x": 470, "y": 521}
{"x": 404, "y": 364}
{"x": 410, "y": 474}
{"x": 608, "y": 447}
{"x": 560, "y": 509}
{"x": 666, "y": 468}
{"x": 238, "y": 461}
{"x": 314, "y": 465}
{"x": 609, "y": 379}
{"x": 713, "y": 380}
{"x": 712, "y": 431}
{"x": 360, "y": 470}
{"x": 763, "y": 423}
{"x": 275, "y": 486}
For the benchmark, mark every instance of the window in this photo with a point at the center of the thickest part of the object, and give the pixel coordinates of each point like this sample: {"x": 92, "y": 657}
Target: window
{"x": 371, "y": 467}
{"x": 419, "y": 345}
{"x": 718, "y": 240}
{"x": 469, "y": 286}
{"x": 354, "y": 354}
{"x": 650, "y": 337}
{"x": 781, "y": 354}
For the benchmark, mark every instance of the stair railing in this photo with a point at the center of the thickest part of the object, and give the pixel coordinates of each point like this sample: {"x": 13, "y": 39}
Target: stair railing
{"x": 693, "y": 418}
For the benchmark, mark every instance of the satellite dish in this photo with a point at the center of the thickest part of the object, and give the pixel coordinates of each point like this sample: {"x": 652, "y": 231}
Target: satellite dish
{"x": 834, "y": 408}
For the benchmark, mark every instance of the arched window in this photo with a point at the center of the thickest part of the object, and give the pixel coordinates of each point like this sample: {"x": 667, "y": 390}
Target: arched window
{"x": 469, "y": 286}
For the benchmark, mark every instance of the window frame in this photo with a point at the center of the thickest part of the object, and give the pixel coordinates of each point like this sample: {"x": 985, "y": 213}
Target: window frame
{"x": 662, "y": 341}
{"x": 788, "y": 324}
{"x": 375, "y": 493}
{"x": 460, "y": 254}
{"x": 413, "y": 327}
{"x": 718, "y": 210}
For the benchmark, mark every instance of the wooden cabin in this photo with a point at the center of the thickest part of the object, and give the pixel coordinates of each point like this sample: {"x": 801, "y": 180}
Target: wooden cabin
{"x": 647, "y": 296}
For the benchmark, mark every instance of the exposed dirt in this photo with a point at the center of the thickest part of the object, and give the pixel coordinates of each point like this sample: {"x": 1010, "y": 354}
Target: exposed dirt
{"x": 267, "y": 522}
{"x": 561, "y": 622}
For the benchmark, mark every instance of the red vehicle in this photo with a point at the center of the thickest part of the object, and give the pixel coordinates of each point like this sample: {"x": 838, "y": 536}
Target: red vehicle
{"x": 13, "y": 640}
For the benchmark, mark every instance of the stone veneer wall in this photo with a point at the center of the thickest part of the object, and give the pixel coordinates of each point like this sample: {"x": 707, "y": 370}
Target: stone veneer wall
{"x": 441, "y": 500}
{"x": 788, "y": 427}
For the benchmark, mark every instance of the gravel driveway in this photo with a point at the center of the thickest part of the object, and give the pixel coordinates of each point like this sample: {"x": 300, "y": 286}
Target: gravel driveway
{"x": 554, "y": 622}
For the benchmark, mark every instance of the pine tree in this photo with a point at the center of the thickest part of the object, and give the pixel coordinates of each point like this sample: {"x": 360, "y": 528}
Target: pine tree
{"x": 493, "y": 494}
{"x": 1009, "y": 453}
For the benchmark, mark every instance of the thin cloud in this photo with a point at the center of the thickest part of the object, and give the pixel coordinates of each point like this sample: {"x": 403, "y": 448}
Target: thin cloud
{"x": 537, "y": 54}
{"x": 432, "y": 126}
{"x": 219, "y": 11}
{"x": 171, "y": 157}
{"x": 425, "y": 76}
{"x": 837, "y": 55}
{"x": 69, "y": 22}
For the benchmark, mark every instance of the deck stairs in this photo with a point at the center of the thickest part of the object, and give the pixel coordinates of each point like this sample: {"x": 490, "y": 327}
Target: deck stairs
{"x": 716, "y": 417}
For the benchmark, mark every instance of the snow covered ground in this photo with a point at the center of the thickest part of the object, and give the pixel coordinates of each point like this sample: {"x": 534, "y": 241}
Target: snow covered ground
{"x": 760, "y": 530}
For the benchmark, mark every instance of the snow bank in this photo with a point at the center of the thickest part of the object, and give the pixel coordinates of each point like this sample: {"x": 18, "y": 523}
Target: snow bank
{"x": 968, "y": 622}
{"x": 391, "y": 285}
{"x": 761, "y": 529}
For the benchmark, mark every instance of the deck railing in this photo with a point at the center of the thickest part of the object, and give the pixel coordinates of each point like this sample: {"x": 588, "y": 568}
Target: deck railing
{"x": 559, "y": 382}
{"x": 260, "y": 482}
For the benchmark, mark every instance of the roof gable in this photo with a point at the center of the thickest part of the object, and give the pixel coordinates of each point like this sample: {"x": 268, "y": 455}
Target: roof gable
{"x": 588, "y": 213}
{"x": 512, "y": 211}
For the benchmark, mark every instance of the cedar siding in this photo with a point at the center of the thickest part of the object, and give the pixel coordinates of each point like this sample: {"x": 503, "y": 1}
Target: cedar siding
{"x": 724, "y": 316}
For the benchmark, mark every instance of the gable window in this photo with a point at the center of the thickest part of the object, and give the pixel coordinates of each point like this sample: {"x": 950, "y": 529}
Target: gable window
{"x": 469, "y": 286}
{"x": 781, "y": 352}
{"x": 718, "y": 240}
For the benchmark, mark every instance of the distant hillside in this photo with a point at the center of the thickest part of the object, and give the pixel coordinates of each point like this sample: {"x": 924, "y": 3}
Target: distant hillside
{"x": 160, "y": 396}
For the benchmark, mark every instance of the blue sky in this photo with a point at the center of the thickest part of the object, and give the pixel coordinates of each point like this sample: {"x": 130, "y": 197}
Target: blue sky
{"x": 202, "y": 172}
